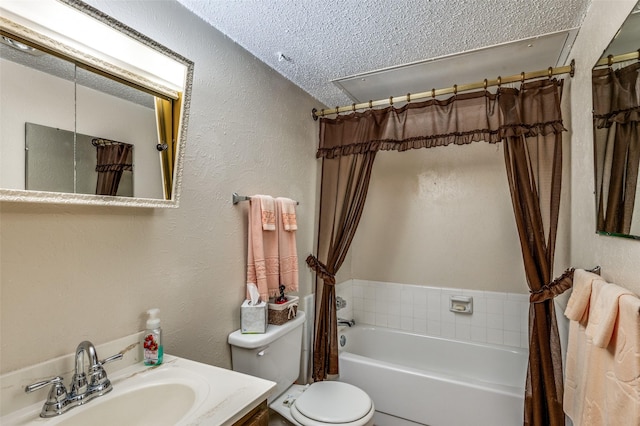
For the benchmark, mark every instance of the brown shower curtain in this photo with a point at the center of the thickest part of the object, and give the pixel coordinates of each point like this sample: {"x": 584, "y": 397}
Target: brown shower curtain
{"x": 529, "y": 122}
{"x": 616, "y": 105}
{"x": 345, "y": 181}
{"x": 113, "y": 158}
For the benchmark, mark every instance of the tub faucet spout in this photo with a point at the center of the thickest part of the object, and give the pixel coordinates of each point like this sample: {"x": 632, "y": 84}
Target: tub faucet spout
{"x": 342, "y": 321}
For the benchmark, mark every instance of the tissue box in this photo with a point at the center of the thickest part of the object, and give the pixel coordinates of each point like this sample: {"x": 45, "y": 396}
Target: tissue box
{"x": 283, "y": 312}
{"x": 253, "y": 318}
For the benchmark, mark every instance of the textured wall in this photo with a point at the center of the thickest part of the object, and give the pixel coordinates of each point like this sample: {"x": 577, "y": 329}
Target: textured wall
{"x": 441, "y": 217}
{"x": 619, "y": 258}
{"x": 72, "y": 273}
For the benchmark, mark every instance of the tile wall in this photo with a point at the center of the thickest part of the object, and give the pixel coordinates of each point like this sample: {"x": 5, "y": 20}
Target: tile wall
{"x": 498, "y": 318}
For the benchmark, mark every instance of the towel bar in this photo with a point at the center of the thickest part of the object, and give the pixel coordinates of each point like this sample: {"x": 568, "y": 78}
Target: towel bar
{"x": 237, "y": 198}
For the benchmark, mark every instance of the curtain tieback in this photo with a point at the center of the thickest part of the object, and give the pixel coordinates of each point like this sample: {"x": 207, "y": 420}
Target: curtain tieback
{"x": 558, "y": 286}
{"x": 321, "y": 269}
{"x": 554, "y": 288}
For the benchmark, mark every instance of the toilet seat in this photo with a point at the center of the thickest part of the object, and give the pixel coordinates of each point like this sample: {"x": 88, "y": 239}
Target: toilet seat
{"x": 333, "y": 403}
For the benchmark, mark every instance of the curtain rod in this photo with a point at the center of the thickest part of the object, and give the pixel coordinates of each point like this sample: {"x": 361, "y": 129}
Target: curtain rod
{"x": 455, "y": 89}
{"x": 611, "y": 59}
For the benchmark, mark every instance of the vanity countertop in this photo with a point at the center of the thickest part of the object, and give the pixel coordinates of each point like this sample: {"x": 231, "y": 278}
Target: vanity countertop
{"x": 222, "y": 397}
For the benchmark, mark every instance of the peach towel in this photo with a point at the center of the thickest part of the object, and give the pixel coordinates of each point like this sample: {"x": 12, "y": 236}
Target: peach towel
{"x": 263, "y": 267}
{"x": 287, "y": 248}
{"x": 602, "y": 384}
{"x": 268, "y": 206}
{"x": 288, "y": 213}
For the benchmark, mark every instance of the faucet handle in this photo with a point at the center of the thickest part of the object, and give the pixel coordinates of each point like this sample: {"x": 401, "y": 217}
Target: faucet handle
{"x": 99, "y": 380}
{"x": 39, "y": 385}
{"x": 57, "y": 394}
{"x": 116, "y": 357}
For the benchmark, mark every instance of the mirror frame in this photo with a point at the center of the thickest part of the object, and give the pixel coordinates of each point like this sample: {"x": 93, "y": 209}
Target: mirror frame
{"x": 18, "y": 195}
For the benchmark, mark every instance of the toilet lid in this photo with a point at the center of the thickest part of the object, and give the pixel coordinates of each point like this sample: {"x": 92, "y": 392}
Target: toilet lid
{"x": 333, "y": 402}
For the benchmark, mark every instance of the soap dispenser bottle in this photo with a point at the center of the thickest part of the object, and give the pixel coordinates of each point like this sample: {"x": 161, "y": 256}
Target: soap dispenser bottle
{"x": 153, "y": 339}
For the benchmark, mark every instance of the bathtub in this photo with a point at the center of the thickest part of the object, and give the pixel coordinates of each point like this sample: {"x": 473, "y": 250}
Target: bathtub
{"x": 422, "y": 380}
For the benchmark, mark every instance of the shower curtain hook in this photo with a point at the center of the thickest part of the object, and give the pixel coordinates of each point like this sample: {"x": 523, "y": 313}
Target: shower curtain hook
{"x": 408, "y": 97}
{"x": 499, "y": 81}
{"x": 610, "y": 60}
{"x": 522, "y": 77}
{"x": 353, "y": 107}
{"x": 391, "y": 100}
{"x": 550, "y": 72}
{"x": 455, "y": 90}
{"x": 370, "y": 103}
{"x": 433, "y": 93}
{"x": 485, "y": 84}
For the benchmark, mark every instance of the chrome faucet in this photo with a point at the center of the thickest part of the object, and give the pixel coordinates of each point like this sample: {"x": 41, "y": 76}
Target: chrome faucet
{"x": 82, "y": 390}
{"x": 342, "y": 321}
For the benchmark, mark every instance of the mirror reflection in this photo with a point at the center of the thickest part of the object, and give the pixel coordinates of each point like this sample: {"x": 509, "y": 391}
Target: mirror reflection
{"x": 60, "y": 81}
{"x": 63, "y": 161}
{"x": 616, "y": 112}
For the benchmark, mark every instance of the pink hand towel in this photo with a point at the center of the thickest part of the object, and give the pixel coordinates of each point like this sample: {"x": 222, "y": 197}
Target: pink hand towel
{"x": 268, "y": 214}
{"x": 263, "y": 267}
{"x": 288, "y": 252}
{"x": 288, "y": 213}
{"x": 603, "y": 313}
{"x": 578, "y": 304}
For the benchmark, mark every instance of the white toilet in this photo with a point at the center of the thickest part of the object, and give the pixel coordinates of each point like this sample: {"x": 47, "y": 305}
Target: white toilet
{"x": 275, "y": 356}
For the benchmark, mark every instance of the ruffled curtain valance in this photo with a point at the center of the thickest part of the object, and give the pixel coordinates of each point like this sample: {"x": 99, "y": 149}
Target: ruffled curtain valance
{"x": 470, "y": 117}
{"x": 616, "y": 95}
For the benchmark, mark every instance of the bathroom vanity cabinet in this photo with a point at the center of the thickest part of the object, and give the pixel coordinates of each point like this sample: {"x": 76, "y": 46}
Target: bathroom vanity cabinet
{"x": 259, "y": 416}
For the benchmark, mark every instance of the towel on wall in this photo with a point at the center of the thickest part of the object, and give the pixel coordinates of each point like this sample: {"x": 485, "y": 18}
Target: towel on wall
{"x": 602, "y": 383}
{"x": 268, "y": 212}
{"x": 263, "y": 266}
{"x": 287, "y": 249}
{"x": 288, "y": 213}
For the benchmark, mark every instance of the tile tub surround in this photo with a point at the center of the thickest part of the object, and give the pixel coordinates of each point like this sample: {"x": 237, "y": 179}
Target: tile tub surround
{"x": 497, "y": 318}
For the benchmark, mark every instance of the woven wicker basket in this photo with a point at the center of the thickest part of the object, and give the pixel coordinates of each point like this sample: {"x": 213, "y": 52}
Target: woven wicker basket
{"x": 281, "y": 313}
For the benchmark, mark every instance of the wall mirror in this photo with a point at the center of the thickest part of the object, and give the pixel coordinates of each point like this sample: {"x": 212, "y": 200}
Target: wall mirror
{"x": 91, "y": 111}
{"x": 616, "y": 113}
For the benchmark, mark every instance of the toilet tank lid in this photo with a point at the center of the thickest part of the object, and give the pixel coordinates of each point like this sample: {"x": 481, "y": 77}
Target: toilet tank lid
{"x": 252, "y": 341}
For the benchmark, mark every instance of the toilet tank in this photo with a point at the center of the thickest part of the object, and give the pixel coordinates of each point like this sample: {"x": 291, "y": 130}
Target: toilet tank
{"x": 274, "y": 355}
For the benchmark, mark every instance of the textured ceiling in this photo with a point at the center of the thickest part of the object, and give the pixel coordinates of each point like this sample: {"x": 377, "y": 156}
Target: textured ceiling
{"x": 331, "y": 39}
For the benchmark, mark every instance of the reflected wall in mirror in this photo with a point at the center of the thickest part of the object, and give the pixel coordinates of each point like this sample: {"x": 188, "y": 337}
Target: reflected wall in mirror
{"x": 63, "y": 68}
{"x": 63, "y": 161}
{"x": 616, "y": 112}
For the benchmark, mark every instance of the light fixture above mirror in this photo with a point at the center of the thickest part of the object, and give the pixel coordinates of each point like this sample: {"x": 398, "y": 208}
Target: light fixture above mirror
{"x": 113, "y": 72}
{"x": 616, "y": 115}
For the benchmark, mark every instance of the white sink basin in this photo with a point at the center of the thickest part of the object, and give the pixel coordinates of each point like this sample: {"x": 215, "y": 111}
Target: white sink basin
{"x": 163, "y": 404}
{"x": 178, "y": 392}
